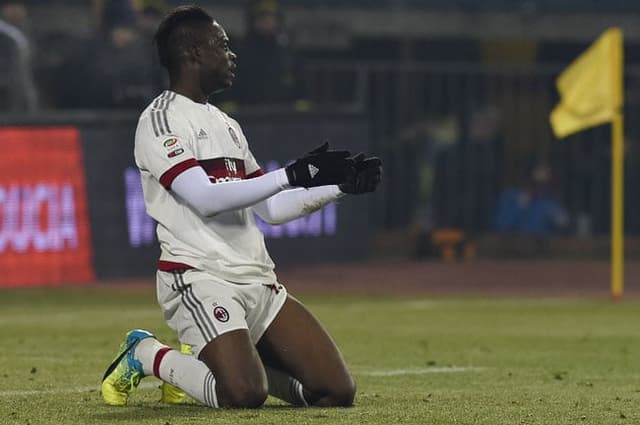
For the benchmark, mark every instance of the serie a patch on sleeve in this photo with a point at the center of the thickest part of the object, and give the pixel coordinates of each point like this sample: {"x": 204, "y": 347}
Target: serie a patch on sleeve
{"x": 172, "y": 145}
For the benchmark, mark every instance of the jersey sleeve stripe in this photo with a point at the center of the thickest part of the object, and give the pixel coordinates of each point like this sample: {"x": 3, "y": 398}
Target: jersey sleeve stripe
{"x": 170, "y": 99}
{"x": 157, "y": 102}
{"x": 168, "y": 176}
{"x": 255, "y": 174}
{"x": 157, "y": 125}
{"x": 159, "y": 113}
{"x": 154, "y": 125}
{"x": 166, "y": 122}
{"x": 159, "y": 121}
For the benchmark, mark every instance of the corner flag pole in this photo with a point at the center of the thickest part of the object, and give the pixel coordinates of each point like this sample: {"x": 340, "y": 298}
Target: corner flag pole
{"x": 592, "y": 93}
{"x": 617, "y": 206}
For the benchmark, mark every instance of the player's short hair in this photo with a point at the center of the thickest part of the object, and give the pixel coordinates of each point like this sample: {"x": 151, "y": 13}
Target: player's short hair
{"x": 179, "y": 30}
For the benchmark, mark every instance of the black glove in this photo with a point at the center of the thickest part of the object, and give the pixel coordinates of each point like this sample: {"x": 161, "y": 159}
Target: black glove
{"x": 366, "y": 176}
{"x": 320, "y": 167}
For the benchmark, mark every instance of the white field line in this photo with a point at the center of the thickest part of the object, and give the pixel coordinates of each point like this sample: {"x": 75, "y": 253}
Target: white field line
{"x": 155, "y": 383}
{"x": 421, "y": 371}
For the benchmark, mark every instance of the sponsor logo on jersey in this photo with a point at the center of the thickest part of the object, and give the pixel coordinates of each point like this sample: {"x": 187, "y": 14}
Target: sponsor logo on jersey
{"x": 175, "y": 153}
{"x": 223, "y": 179}
{"x": 222, "y": 170}
{"x": 202, "y": 134}
{"x": 170, "y": 143}
{"x": 231, "y": 166}
{"x": 234, "y": 137}
{"x": 221, "y": 314}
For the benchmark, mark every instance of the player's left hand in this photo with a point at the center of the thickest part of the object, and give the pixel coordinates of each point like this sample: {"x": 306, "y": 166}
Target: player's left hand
{"x": 320, "y": 167}
{"x": 366, "y": 176}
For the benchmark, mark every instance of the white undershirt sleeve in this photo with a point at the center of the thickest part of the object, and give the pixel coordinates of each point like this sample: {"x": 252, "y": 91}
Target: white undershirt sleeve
{"x": 209, "y": 199}
{"x": 291, "y": 204}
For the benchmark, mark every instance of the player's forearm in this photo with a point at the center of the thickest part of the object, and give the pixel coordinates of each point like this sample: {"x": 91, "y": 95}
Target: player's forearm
{"x": 209, "y": 199}
{"x": 291, "y": 204}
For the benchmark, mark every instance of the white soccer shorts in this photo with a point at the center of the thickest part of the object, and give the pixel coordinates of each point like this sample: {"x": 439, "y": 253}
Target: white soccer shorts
{"x": 200, "y": 307}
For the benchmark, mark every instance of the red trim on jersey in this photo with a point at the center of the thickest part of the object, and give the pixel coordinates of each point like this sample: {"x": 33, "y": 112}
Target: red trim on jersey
{"x": 158, "y": 359}
{"x": 255, "y": 174}
{"x": 167, "y": 178}
{"x": 170, "y": 266}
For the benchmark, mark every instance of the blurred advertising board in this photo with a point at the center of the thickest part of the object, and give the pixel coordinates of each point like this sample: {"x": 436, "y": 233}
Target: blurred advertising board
{"x": 44, "y": 225}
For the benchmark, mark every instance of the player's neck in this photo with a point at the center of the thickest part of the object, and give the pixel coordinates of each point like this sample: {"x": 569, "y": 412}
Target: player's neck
{"x": 188, "y": 90}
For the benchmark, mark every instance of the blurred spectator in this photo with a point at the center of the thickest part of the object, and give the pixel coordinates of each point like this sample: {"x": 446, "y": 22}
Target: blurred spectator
{"x": 150, "y": 13}
{"x": 458, "y": 168}
{"x": 469, "y": 174}
{"x": 266, "y": 64}
{"x": 424, "y": 141}
{"x": 17, "y": 89}
{"x": 117, "y": 14}
{"x": 117, "y": 68}
{"x": 531, "y": 210}
{"x": 15, "y": 13}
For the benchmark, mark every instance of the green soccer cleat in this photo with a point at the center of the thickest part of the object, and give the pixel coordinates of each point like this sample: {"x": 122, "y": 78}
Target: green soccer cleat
{"x": 171, "y": 394}
{"x": 125, "y": 372}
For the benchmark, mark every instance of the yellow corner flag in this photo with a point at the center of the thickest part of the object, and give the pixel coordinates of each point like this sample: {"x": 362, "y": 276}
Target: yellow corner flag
{"x": 591, "y": 94}
{"x": 591, "y": 87}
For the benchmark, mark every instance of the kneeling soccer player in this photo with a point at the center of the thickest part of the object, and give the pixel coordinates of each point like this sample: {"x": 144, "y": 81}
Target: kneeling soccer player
{"x": 215, "y": 281}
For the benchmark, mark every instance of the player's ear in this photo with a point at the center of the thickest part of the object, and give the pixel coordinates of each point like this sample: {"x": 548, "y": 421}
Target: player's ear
{"x": 194, "y": 54}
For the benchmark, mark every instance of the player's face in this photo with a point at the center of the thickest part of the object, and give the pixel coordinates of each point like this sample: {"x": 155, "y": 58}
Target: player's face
{"x": 218, "y": 63}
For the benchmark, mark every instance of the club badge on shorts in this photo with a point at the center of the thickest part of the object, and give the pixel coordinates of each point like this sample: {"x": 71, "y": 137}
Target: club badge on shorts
{"x": 221, "y": 314}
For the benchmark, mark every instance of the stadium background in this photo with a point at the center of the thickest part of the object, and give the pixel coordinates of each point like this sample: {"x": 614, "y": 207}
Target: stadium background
{"x": 471, "y": 288}
{"x": 453, "y": 96}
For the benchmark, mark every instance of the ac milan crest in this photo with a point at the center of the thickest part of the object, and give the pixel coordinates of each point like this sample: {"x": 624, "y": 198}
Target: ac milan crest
{"x": 221, "y": 314}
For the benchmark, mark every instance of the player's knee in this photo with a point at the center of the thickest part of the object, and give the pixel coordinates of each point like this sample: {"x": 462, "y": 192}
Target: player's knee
{"x": 342, "y": 393}
{"x": 248, "y": 395}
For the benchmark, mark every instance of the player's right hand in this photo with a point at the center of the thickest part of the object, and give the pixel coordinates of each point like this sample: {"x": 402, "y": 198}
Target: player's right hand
{"x": 320, "y": 167}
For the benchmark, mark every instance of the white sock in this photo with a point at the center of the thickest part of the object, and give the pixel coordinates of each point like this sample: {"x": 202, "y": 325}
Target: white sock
{"x": 180, "y": 370}
{"x": 285, "y": 387}
{"x": 146, "y": 353}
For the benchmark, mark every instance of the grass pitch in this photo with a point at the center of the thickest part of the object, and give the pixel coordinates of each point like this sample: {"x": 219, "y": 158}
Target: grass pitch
{"x": 416, "y": 360}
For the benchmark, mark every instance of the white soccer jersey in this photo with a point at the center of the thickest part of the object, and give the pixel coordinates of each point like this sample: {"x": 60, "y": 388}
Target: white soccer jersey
{"x": 174, "y": 134}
